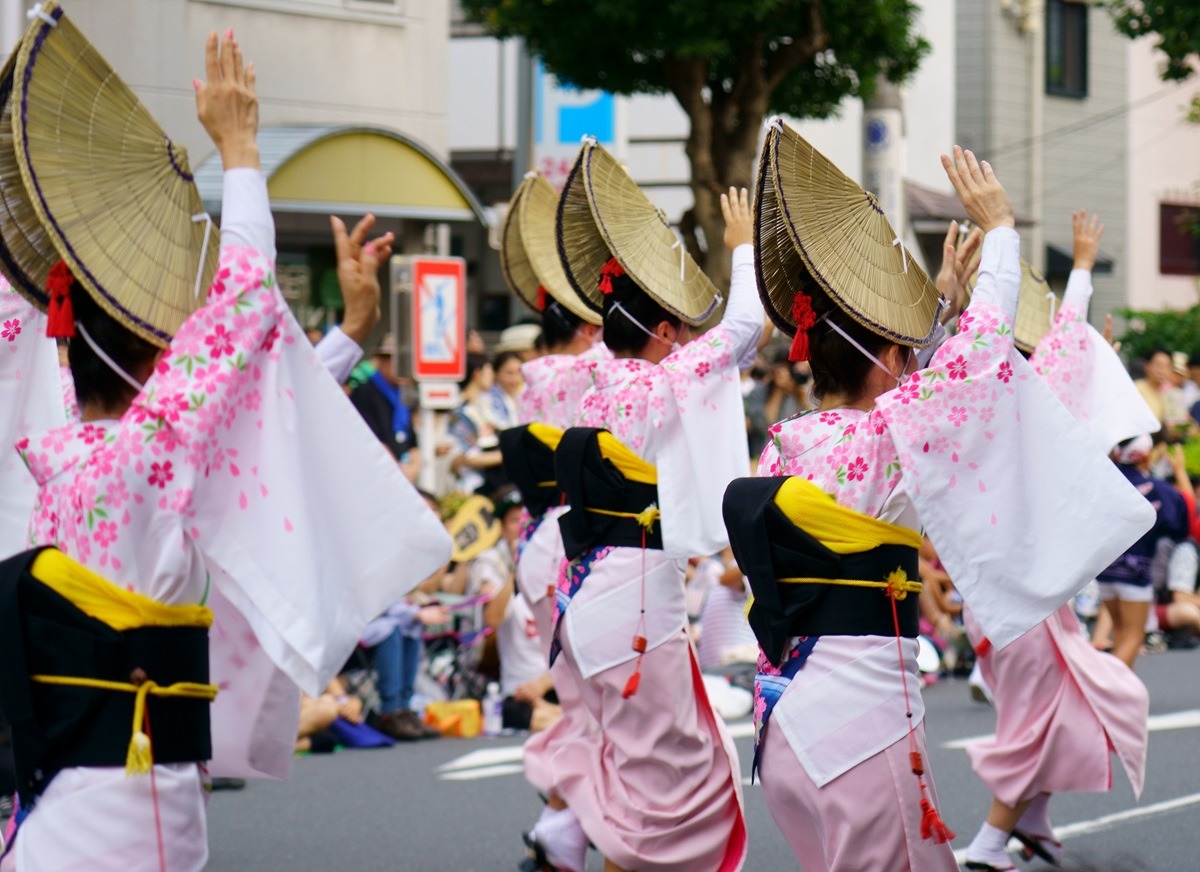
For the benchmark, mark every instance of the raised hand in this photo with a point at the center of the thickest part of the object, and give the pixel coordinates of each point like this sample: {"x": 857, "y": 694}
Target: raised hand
{"x": 227, "y": 104}
{"x": 358, "y": 275}
{"x": 960, "y": 258}
{"x": 739, "y": 218}
{"x": 1087, "y": 238}
{"x": 982, "y": 195}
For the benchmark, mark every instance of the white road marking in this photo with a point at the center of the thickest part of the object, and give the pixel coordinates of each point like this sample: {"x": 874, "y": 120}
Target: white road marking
{"x": 506, "y": 760}
{"x": 484, "y": 757}
{"x": 1184, "y": 720}
{"x": 1083, "y": 828}
{"x": 483, "y": 772}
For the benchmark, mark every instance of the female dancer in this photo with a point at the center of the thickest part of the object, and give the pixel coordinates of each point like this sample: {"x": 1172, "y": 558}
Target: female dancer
{"x": 658, "y": 789}
{"x": 840, "y": 713}
{"x": 1062, "y": 707}
{"x": 190, "y": 483}
{"x": 549, "y": 402}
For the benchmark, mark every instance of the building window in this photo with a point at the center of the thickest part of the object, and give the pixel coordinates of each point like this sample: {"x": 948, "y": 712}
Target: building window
{"x": 1066, "y": 48}
{"x": 1178, "y": 239}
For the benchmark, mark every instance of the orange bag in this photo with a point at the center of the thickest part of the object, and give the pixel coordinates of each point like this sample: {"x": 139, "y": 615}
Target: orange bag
{"x": 462, "y": 718}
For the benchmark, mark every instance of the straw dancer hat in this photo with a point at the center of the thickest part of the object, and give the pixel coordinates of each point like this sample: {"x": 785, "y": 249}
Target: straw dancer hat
{"x": 26, "y": 252}
{"x": 1036, "y": 307}
{"x": 113, "y": 195}
{"x": 817, "y": 230}
{"x": 603, "y": 214}
{"x": 529, "y": 250}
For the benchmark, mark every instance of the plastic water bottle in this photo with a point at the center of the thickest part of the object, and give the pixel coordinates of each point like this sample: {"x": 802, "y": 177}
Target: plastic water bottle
{"x": 493, "y": 711}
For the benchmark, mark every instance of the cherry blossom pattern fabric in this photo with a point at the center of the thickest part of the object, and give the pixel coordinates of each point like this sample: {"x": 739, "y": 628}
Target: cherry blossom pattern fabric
{"x": 555, "y": 384}
{"x": 30, "y": 391}
{"x": 1087, "y": 376}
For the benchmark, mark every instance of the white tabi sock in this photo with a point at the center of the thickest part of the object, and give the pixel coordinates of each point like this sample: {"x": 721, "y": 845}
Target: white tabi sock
{"x": 563, "y": 840}
{"x": 988, "y": 847}
{"x": 1036, "y": 820}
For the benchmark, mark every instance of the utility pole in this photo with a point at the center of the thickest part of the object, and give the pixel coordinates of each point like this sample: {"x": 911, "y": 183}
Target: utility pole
{"x": 523, "y": 151}
{"x": 883, "y": 153}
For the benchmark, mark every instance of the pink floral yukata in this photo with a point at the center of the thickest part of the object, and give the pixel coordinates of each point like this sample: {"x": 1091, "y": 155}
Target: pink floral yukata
{"x": 554, "y": 385}
{"x": 659, "y": 790}
{"x": 241, "y": 477}
{"x": 960, "y": 448}
{"x": 1062, "y": 706}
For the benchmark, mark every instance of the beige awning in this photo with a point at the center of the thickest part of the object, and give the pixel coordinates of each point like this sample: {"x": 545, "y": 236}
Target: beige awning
{"x": 330, "y": 169}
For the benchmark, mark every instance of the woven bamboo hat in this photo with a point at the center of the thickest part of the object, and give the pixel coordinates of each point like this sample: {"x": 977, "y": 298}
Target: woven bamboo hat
{"x": 816, "y": 229}
{"x": 529, "y": 250}
{"x": 112, "y": 193}
{"x": 603, "y": 214}
{"x": 1036, "y": 307}
{"x": 26, "y": 252}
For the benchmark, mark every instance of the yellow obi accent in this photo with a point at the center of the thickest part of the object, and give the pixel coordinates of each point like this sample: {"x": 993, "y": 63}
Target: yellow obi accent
{"x": 104, "y": 601}
{"x": 547, "y": 435}
{"x": 645, "y": 518}
{"x": 625, "y": 460}
{"x": 841, "y": 530}
{"x": 121, "y": 610}
{"x": 897, "y": 584}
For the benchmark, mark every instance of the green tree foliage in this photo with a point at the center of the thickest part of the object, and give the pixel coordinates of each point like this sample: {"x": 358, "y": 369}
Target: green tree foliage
{"x": 728, "y": 64}
{"x": 1171, "y": 330}
{"x": 1175, "y": 27}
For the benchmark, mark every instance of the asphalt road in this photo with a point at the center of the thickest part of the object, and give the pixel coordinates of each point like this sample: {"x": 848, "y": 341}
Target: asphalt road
{"x": 460, "y": 805}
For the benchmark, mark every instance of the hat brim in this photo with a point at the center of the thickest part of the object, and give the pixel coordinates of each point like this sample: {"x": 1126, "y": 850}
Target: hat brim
{"x": 628, "y": 226}
{"x": 26, "y": 251}
{"x": 114, "y": 194}
{"x": 843, "y": 243}
{"x": 1037, "y": 305}
{"x": 529, "y": 250}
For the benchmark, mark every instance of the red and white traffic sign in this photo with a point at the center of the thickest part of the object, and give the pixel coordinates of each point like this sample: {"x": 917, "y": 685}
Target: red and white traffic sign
{"x": 439, "y": 318}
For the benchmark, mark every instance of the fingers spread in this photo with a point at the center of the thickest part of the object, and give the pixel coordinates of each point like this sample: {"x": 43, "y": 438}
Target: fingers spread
{"x": 239, "y": 69}
{"x": 726, "y": 213}
{"x": 341, "y": 242}
{"x": 211, "y": 69}
{"x": 360, "y": 229}
{"x": 952, "y": 234}
{"x": 250, "y": 77}
{"x": 226, "y": 60}
{"x": 952, "y": 173}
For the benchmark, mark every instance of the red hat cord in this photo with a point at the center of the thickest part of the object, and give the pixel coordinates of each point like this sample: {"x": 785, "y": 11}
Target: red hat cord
{"x": 612, "y": 269}
{"x": 541, "y": 299}
{"x": 60, "y": 315}
{"x": 806, "y": 319}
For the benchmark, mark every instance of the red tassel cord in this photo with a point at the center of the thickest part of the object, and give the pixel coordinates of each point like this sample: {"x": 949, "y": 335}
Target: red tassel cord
{"x": 932, "y": 825}
{"x": 984, "y": 647}
{"x": 60, "y": 316}
{"x": 541, "y": 299}
{"x": 612, "y": 269}
{"x": 806, "y": 319}
{"x": 639, "y": 635}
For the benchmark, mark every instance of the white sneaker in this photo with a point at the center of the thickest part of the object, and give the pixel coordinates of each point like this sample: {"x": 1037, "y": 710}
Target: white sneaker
{"x": 562, "y": 839}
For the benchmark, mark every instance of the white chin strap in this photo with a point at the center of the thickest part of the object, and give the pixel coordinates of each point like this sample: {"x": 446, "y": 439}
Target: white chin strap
{"x": 675, "y": 346}
{"x": 871, "y": 357}
{"x": 109, "y": 362}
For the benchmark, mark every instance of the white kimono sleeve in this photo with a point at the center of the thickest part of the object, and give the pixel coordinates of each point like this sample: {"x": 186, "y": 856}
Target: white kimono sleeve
{"x": 1021, "y": 506}
{"x": 1086, "y": 374}
{"x": 31, "y": 401}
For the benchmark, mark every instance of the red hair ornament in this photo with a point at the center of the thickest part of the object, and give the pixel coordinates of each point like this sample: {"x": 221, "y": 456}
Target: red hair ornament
{"x": 612, "y": 269}
{"x": 806, "y": 319}
{"x": 541, "y": 299}
{"x": 60, "y": 315}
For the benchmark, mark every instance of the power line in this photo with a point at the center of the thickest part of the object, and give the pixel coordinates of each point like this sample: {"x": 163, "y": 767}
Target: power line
{"x": 1084, "y": 123}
